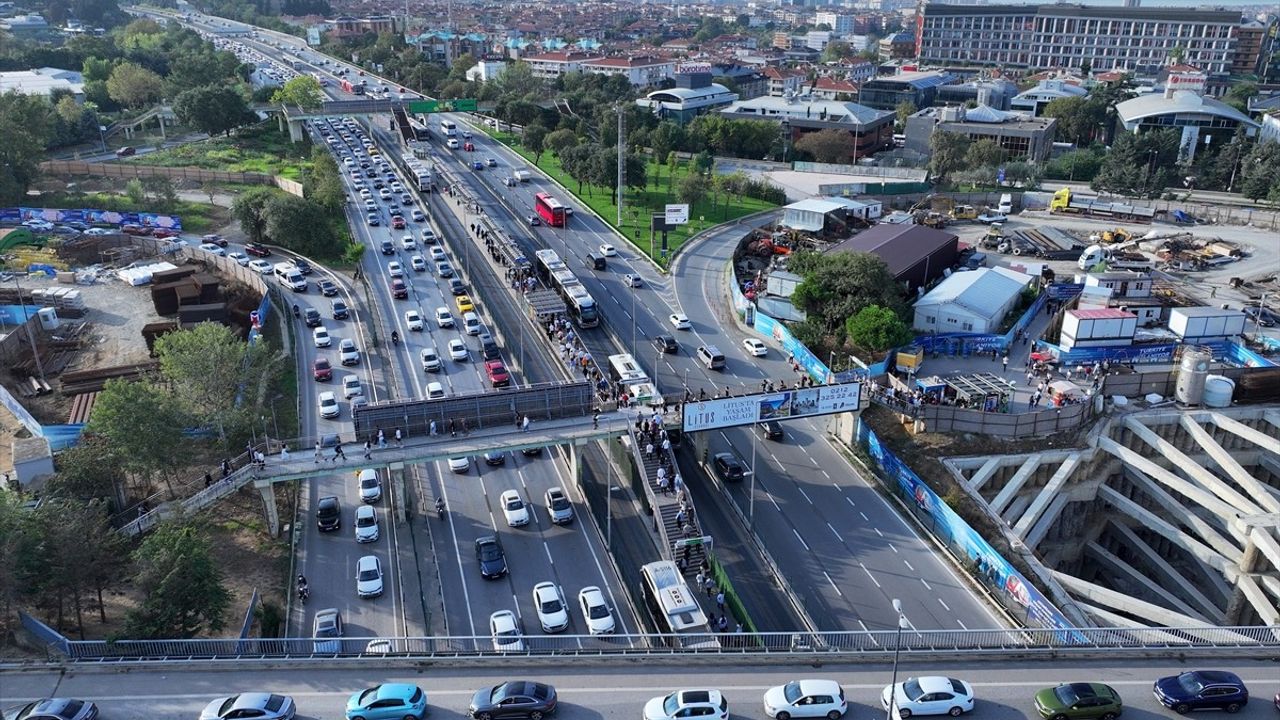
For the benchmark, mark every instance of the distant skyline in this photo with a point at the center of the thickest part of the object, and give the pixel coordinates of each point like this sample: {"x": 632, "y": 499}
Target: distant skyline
{"x": 1242, "y": 4}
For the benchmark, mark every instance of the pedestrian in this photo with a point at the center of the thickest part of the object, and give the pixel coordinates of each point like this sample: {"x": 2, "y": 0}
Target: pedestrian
{"x": 648, "y": 449}
{"x": 259, "y": 459}
{"x": 433, "y": 428}
{"x": 662, "y": 480}
{"x": 700, "y": 577}
{"x": 284, "y": 453}
{"x": 595, "y": 421}
{"x": 720, "y": 601}
{"x": 399, "y": 438}
{"x": 226, "y": 468}
{"x": 677, "y": 484}
{"x": 723, "y": 622}
{"x": 680, "y": 517}
{"x": 739, "y": 629}
{"x": 524, "y": 424}
{"x": 337, "y": 452}
{"x": 208, "y": 479}
{"x": 710, "y": 586}
{"x": 368, "y": 449}
{"x": 666, "y": 444}
{"x": 382, "y": 440}
{"x": 452, "y": 433}
{"x": 317, "y": 451}
{"x": 1005, "y": 362}
{"x": 463, "y": 423}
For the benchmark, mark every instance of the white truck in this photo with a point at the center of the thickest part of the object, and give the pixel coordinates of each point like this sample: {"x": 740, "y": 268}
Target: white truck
{"x": 521, "y": 175}
{"x": 1006, "y": 204}
{"x": 1114, "y": 259}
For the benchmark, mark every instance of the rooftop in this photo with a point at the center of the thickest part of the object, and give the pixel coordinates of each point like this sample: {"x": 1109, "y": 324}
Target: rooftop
{"x": 1183, "y": 101}
{"x": 834, "y": 111}
{"x": 899, "y": 245}
{"x": 1102, "y": 314}
{"x": 983, "y": 291}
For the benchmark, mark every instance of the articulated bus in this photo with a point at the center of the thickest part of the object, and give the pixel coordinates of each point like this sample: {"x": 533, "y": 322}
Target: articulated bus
{"x": 673, "y": 606}
{"x": 582, "y": 307}
{"x": 630, "y": 378}
{"x": 549, "y": 209}
{"x": 557, "y": 276}
{"x": 547, "y": 262}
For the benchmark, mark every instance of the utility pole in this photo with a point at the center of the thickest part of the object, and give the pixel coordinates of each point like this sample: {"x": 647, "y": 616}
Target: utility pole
{"x": 622, "y": 164}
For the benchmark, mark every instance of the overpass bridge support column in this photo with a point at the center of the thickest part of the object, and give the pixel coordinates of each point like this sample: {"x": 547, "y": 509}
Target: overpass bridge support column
{"x": 295, "y": 131}
{"x": 267, "y": 490}
{"x": 575, "y": 450}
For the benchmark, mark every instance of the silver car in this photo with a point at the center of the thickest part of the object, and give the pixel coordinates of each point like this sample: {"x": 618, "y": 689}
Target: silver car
{"x": 259, "y": 706}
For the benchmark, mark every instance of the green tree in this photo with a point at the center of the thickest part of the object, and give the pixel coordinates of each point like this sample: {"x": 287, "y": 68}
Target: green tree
{"x": 212, "y": 109}
{"x": 142, "y": 424}
{"x": 302, "y": 91}
{"x": 134, "y": 86}
{"x": 134, "y": 190}
{"x": 704, "y": 162}
{"x": 558, "y": 140}
{"x": 904, "y": 110}
{"x": 82, "y": 555}
{"x": 164, "y": 194}
{"x": 693, "y": 189}
{"x": 827, "y": 146}
{"x": 1140, "y": 165}
{"x": 1261, "y": 171}
{"x": 88, "y": 471}
{"x": 877, "y": 328}
{"x": 248, "y": 209}
{"x": 838, "y": 285}
{"x": 947, "y": 153}
{"x": 1075, "y": 165}
{"x": 576, "y": 161}
{"x": 835, "y": 51}
{"x": 181, "y": 585}
{"x": 1238, "y": 94}
{"x": 1078, "y": 118}
{"x": 301, "y": 226}
{"x": 1176, "y": 55}
{"x": 322, "y": 182}
{"x": 96, "y": 69}
{"x": 534, "y": 140}
{"x": 664, "y": 138}
{"x": 984, "y": 153}
{"x": 24, "y": 127}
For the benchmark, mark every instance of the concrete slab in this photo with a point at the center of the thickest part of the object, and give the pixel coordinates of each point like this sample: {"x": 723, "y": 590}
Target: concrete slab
{"x": 1150, "y": 612}
{"x": 1168, "y": 575}
{"x": 1047, "y": 493}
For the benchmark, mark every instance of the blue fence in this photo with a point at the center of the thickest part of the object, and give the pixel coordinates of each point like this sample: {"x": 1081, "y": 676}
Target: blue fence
{"x": 17, "y": 215}
{"x": 1223, "y": 350}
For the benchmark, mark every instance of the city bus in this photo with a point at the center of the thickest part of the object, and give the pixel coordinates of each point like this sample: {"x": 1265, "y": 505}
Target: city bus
{"x": 549, "y": 209}
{"x": 673, "y": 606}
{"x": 547, "y": 262}
{"x": 581, "y": 306}
{"x": 630, "y": 378}
{"x": 448, "y": 128}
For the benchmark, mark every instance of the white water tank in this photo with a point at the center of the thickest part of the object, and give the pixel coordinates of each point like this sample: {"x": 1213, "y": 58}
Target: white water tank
{"x": 1218, "y": 391}
{"x": 48, "y": 318}
{"x": 1192, "y": 371}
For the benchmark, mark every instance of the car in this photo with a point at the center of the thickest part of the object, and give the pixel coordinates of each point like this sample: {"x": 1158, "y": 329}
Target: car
{"x": 428, "y": 236}
{"x": 709, "y": 704}
{"x": 755, "y": 347}
{"x": 366, "y": 524}
{"x": 469, "y": 147}
{"x": 372, "y": 220}
{"x": 303, "y": 266}
{"x": 340, "y": 311}
{"x": 397, "y": 222}
{"x": 407, "y": 243}
{"x": 497, "y": 373}
{"x": 320, "y": 336}
{"x": 413, "y": 319}
{"x": 514, "y": 508}
{"x": 405, "y": 198}
{"x": 596, "y": 613}
{"x": 444, "y": 318}
{"x": 457, "y": 287}
{"x": 369, "y": 576}
{"x": 491, "y": 557}
{"x": 418, "y": 263}
{"x": 399, "y": 290}
{"x": 929, "y": 695}
{"x": 1073, "y": 701}
{"x": 533, "y": 220}
{"x": 514, "y": 698}
{"x": 990, "y": 218}
{"x": 388, "y": 701}
{"x": 464, "y": 303}
{"x": 327, "y": 404}
{"x": 505, "y": 632}
{"x": 608, "y": 250}
{"x": 58, "y": 709}
{"x": 395, "y": 269}
{"x": 459, "y": 465}
{"x": 680, "y": 321}
{"x": 429, "y": 359}
{"x": 253, "y": 706}
{"x": 240, "y": 258}
{"x": 665, "y": 344}
{"x": 770, "y": 429}
{"x": 632, "y": 281}
{"x": 491, "y": 162}
{"x": 471, "y": 323}
{"x": 370, "y": 486}
{"x": 98, "y": 232}
{"x": 435, "y": 391}
{"x": 385, "y": 194}
{"x": 444, "y": 270}
{"x": 495, "y": 458}
{"x": 438, "y": 254}
{"x": 1259, "y": 315}
{"x": 328, "y": 288}
{"x": 418, "y": 215}
{"x": 476, "y": 164}
{"x": 805, "y": 698}
{"x": 728, "y": 467}
{"x": 558, "y": 506}
{"x": 328, "y": 513}
{"x": 348, "y": 354}
{"x": 213, "y": 249}
{"x": 386, "y": 247}
{"x": 1202, "y": 690}
{"x": 351, "y": 387}
{"x": 311, "y": 317}
{"x": 548, "y": 601}
{"x": 321, "y": 370}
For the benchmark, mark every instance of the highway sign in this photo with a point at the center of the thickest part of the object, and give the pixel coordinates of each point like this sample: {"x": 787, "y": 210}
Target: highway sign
{"x": 751, "y": 409}
{"x": 677, "y": 215}
{"x": 434, "y": 106}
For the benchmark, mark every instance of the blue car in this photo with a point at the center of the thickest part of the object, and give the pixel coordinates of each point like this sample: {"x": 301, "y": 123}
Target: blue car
{"x": 477, "y": 165}
{"x": 389, "y": 700}
{"x": 1202, "y": 690}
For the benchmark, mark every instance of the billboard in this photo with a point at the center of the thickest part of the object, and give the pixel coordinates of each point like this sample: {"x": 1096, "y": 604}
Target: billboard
{"x": 751, "y": 409}
{"x": 433, "y": 106}
{"x": 677, "y": 214}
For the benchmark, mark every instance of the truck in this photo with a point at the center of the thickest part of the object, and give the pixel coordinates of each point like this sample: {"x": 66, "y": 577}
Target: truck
{"x": 1064, "y": 202}
{"x": 521, "y": 175}
{"x": 1114, "y": 259}
{"x": 1006, "y": 204}
{"x": 356, "y": 88}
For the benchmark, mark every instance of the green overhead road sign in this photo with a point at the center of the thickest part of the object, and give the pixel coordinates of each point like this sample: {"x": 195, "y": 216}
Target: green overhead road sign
{"x": 435, "y": 106}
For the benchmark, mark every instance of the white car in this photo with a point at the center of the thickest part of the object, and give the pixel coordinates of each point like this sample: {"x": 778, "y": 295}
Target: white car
{"x": 241, "y": 259}
{"x": 348, "y": 354}
{"x": 369, "y": 576}
{"x": 213, "y": 249}
{"x": 430, "y": 359}
{"x": 418, "y": 263}
{"x": 435, "y": 391}
{"x": 395, "y": 269}
{"x": 407, "y": 242}
{"x": 558, "y": 506}
{"x": 262, "y": 267}
{"x": 680, "y": 321}
{"x": 459, "y": 464}
{"x": 632, "y": 281}
{"x": 709, "y": 704}
{"x": 505, "y": 632}
{"x": 351, "y": 387}
{"x": 549, "y": 602}
{"x": 328, "y": 404}
{"x": 755, "y": 347}
{"x": 366, "y": 524}
{"x": 437, "y": 253}
{"x": 595, "y": 611}
{"x": 608, "y": 250}
{"x": 930, "y": 695}
{"x": 443, "y": 317}
{"x": 806, "y": 698}
{"x": 413, "y": 319}
{"x": 320, "y": 336}
{"x": 514, "y": 508}
{"x": 458, "y": 350}
{"x": 370, "y": 486}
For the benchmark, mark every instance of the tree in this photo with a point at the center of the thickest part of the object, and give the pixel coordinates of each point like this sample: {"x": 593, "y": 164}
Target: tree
{"x": 142, "y": 424}
{"x": 984, "y": 153}
{"x": 693, "y": 189}
{"x": 1075, "y": 165}
{"x": 302, "y": 91}
{"x": 1176, "y": 55}
{"x": 301, "y": 226}
{"x": 24, "y": 127}
{"x": 576, "y": 161}
{"x": 877, "y": 328}
{"x": 1261, "y": 171}
{"x": 838, "y": 285}
{"x": 947, "y": 153}
{"x": 1141, "y": 166}
{"x": 1078, "y": 118}
{"x": 181, "y": 585}
{"x": 534, "y": 140}
{"x": 557, "y": 141}
{"x": 827, "y": 146}
{"x": 904, "y": 110}
{"x": 835, "y": 51}
{"x": 134, "y": 190}
{"x": 322, "y": 183}
{"x": 248, "y": 208}
{"x": 88, "y": 471}
{"x": 164, "y": 194}
{"x": 1239, "y": 93}
{"x": 212, "y": 109}
{"x": 664, "y": 138}
{"x": 82, "y": 554}
{"x": 133, "y": 85}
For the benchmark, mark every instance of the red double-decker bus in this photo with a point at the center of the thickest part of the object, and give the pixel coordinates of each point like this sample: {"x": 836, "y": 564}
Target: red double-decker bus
{"x": 549, "y": 209}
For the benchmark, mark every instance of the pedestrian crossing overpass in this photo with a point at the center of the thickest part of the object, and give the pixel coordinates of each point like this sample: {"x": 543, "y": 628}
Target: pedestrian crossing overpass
{"x": 293, "y": 116}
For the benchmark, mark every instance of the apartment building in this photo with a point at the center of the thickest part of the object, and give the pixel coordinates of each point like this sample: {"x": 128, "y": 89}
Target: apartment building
{"x": 1066, "y": 35}
{"x": 840, "y": 24}
{"x": 346, "y": 26}
{"x": 783, "y": 82}
{"x": 640, "y": 70}
{"x": 551, "y": 65}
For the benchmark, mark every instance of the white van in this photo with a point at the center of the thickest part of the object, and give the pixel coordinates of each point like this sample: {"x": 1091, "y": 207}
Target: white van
{"x": 711, "y": 357}
{"x": 453, "y": 144}
{"x": 471, "y": 323}
{"x": 291, "y": 277}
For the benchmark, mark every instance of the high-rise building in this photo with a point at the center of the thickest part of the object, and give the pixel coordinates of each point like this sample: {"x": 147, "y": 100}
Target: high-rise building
{"x": 1047, "y": 36}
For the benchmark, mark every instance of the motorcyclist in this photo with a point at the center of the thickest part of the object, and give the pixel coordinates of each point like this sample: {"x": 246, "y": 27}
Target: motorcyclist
{"x": 395, "y": 337}
{"x": 296, "y": 311}
{"x": 440, "y": 506}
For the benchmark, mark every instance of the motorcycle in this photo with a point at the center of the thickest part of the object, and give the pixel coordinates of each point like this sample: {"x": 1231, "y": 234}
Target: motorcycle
{"x": 395, "y": 338}
{"x": 440, "y": 508}
{"x": 296, "y": 311}
{"x": 303, "y": 593}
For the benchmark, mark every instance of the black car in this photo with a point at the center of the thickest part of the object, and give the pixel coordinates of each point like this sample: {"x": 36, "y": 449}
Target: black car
{"x": 770, "y": 429}
{"x": 665, "y": 344}
{"x": 1201, "y": 690}
{"x": 531, "y": 452}
{"x": 388, "y": 248}
{"x": 328, "y": 513}
{"x": 514, "y": 699}
{"x": 495, "y": 458}
{"x": 457, "y": 287}
{"x": 728, "y": 467}
{"x": 490, "y": 556}
{"x": 303, "y": 266}
{"x": 311, "y": 317}
{"x": 328, "y": 288}
{"x": 340, "y": 311}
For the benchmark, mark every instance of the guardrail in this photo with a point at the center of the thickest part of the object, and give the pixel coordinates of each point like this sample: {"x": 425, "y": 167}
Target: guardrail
{"x": 1252, "y": 641}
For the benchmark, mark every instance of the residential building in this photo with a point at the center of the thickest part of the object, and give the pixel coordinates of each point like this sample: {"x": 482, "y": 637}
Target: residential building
{"x": 899, "y": 45}
{"x": 347, "y": 26}
{"x": 995, "y": 93}
{"x": 1069, "y": 35}
{"x": 1270, "y": 130}
{"x": 872, "y": 130}
{"x": 839, "y": 23}
{"x": 486, "y": 70}
{"x": 1196, "y": 117}
{"x": 970, "y": 302}
{"x": 19, "y": 26}
{"x": 693, "y": 95}
{"x": 751, "y": 83}
{"x": 784, "y": 82}
{"x": 915, "y": 254}
{"x": 551, "y": 65}
{"x": 817, "y": 39}
{"x": 640, "y": 71}
{"x": 446, "y": 46}
{"x": 1033, "y": 101}
{"x": 917, "y": 88}
{"x": 827, "y": 88}
{"x": 42, "y": 81}
{"x": 1019, "y": 135}
{"x": 1253, "y": 47}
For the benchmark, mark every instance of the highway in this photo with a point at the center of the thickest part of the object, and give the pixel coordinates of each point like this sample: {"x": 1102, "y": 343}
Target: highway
{"x": 1003, "y": 688}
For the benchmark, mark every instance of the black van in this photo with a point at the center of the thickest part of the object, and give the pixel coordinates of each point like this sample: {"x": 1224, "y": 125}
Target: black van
{"x": 489, "y": 348}
{"x": 594, "y": 261}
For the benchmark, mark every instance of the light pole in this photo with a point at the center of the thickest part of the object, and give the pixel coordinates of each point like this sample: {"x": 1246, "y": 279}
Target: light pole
{"x": 897, "y": 647}
{"x": 1257, "y": 320}
{"x": 102, "y": 133}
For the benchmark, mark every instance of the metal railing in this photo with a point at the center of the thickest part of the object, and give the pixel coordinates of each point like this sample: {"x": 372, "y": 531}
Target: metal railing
{"x": 1251, "y": 641}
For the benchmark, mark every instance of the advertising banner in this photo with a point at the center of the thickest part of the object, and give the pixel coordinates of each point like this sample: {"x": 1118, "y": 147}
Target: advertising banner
{"x": 751, "y": 409}
{"x": 91, "y": 216}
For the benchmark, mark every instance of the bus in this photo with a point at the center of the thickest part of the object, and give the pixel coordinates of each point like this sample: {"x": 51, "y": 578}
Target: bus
{"x": 421, "y": 178}
{"x": 582, "y": 307}
{"x": 549, "y": 209}
{"x": 448, "y": 128}
{"x": 673, "y": 606}
{"x": 555, "y": 275}
{"x": 547, "y": 262}
{"x": 624, "y": 369}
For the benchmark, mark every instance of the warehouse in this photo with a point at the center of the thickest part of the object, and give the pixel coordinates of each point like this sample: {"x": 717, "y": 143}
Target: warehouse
{"x": 970, "y": 302}
{"x": 916, "y": 255}
{"x": 827, "y": 214}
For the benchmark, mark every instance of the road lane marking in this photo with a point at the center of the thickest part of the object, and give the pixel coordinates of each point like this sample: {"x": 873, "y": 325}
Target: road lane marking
{"x": 944, "y": 604}
{"x": 864, "y": 517}
{"x": 833, "y": 583}
{"x": 802, "y": 542}
{"x": 833, "y": 532}
{"x": 804, "y": 494}
{"x": 880, "y": 533}
{"x": 904, "y": 562}
{"x": 868, "y": 572}
{"x": 926, "y": 584}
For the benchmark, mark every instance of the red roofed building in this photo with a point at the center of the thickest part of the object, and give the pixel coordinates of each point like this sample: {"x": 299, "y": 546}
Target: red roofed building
{"x": 832, "y": 89}
{"x": 783, "y": 82}
{"x": 640, "y": 71}
{"x": 551, "y": 65}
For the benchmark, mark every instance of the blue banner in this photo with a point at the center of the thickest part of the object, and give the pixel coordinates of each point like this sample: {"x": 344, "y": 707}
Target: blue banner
{"x": 1225, "y": 351}
{"x": 93, "y": 217}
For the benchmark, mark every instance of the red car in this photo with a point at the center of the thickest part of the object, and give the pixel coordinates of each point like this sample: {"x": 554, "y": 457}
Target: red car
{"x": 469, "y": 147}
{"x": 399, "y": 290}
{"x": 322, "y": 370}
{"x": 135, "y": 230}
{"x": 165, "y": 233}
{"x": 397, "y": 222}
{"x": 497, "y": 373}
{"x": 257, "y": 250}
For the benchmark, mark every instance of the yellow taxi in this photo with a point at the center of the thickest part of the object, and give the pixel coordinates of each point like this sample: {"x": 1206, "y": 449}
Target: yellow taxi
{"x": 464, "y": 304}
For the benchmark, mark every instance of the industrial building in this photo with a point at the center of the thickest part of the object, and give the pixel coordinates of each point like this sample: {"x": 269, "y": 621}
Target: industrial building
{"x": 1033, "y": 101}
{"x": 970, "y": 302}
{"x": 871, "y": 129}
{"x": 915, "y": 254}
{"x": 42, "y": 81}
{"x": 827, "y": 214}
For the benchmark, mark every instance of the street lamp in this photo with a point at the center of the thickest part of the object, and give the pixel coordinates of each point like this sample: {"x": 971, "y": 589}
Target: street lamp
{"x": 897, "y": 647}
{"x": 102, "y": 133}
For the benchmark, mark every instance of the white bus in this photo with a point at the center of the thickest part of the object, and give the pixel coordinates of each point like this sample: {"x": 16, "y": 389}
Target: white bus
{"x": 448, "y": 128}
{"x": 624, "y": 369}
{"x": 673, "y": 606}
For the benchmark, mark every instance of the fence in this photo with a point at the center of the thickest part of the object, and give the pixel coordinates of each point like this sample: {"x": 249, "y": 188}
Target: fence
{"x": 200, "y": 175}
{"x": 945, "y": 418}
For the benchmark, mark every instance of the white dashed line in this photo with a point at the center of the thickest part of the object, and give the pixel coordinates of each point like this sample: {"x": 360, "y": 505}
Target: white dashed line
{"x": 864, "y": 517}
{"x": 804, "y": 494}
{"x": 833, "y": 584}
{"x": 868, "y": 572}
{"x": 802, "y": 542}
{"x": 926, "y": 584}
{"x": 904, "y": 562}
{"x": 879, "y": 533}
{"x": 833, "y": 532}
{"x": 893, "y": 547}
{"x": 943, "y": 603}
